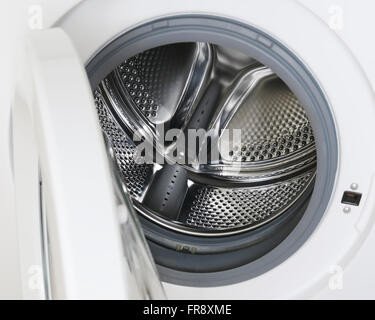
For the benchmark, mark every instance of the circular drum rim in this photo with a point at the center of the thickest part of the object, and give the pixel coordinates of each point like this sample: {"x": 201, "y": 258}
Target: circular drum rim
{"x": 290, "y": 69}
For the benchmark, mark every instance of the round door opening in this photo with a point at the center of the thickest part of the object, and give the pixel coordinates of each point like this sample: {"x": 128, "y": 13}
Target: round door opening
{"x": 217, "y": 153}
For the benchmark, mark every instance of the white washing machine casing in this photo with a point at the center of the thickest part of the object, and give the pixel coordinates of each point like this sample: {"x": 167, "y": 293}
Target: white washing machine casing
{"x": 341, "y": 62}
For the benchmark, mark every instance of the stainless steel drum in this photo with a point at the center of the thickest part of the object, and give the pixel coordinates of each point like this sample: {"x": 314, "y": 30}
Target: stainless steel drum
{"x": 262, "y": 182}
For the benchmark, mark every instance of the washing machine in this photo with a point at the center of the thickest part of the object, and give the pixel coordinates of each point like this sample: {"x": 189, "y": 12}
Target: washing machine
{"x": 190, "y": 150}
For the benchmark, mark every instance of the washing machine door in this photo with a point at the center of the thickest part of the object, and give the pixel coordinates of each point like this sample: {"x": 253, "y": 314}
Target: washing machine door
{"x": 93, "y": 247}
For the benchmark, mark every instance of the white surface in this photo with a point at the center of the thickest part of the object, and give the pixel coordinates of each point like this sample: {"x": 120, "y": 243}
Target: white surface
{"x": 358, "y": 279}
{"x": 10, "y": 273}
{"x": 19, "y": 256}
{"x": 338, "y": 236}
{"x": 85, "y": 246}
{"x": 27, "y": 203}
{"x": 357, "y": 23}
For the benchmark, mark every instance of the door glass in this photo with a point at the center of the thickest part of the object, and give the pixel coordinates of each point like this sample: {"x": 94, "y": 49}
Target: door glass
{"x": 141, "y": 271}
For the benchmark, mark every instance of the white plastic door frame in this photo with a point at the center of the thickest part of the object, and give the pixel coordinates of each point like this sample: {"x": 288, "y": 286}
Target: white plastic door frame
{"x": 85, "y": 249}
